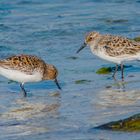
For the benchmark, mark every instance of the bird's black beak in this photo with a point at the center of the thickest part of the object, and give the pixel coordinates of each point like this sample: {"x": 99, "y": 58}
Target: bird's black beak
{"x": 82, "y": 47}
{"x": 56, "y": 82}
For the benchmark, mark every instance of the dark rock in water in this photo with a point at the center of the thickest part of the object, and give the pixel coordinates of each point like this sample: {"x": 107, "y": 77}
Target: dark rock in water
{"x": 72, "y": 57}
{"x": 111, "y": 21}
{"x": 131, "y": 124}
{"x": 137, "y": 39}
{"x": 108, "y": 87}
{"x": 131, "y": 75}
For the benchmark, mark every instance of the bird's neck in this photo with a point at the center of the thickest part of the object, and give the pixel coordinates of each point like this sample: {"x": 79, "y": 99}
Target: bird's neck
{"x": 50, "y": 72}
{"x": 46, "y": 73}
{"x": 94, "y": 45}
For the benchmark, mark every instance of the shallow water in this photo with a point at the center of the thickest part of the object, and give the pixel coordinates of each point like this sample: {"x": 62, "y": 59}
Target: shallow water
{"x": 54, "y": 30}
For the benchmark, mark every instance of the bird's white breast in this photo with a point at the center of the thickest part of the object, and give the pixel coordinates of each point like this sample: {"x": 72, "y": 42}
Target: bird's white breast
{"x": 117, "y": 59}
{"x": 19, "y": 76}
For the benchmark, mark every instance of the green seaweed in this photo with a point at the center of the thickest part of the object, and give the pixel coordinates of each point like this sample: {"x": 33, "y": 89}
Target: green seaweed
{"x": 131, "y": 124}
{"x": 104, "y": 70}
{"x": 72, "y": 57}
{"x": 82, "y": 81}
{"x": 107, "y": 70}
{"x": 11, "y": 81}
{"x": 137, "y": 39}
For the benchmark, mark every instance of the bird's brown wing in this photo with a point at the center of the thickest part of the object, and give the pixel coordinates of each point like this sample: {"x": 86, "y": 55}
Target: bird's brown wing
{"x": 23, "y": 63}
{"x": 118, "y": 46}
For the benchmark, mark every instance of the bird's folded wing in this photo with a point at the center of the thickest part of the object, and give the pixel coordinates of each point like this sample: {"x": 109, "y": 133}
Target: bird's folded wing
{"x": 118, "y": 46}
{"x": 21, "y": 63}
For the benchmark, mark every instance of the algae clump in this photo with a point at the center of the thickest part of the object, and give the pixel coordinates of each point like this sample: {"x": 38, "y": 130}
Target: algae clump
{"x": 137, "y": 39}
{"x": 104, "y": 70}
{"x": 82, "y": 81}
{"x": 131, "y": 124}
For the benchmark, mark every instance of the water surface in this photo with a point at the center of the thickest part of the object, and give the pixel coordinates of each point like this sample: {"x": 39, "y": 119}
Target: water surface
{"x": 54, "y": 30}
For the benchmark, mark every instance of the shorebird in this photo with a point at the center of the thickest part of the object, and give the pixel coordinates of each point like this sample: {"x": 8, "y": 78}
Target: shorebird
{"x": 113, "y": 48}
{"x": 27, "y": 68}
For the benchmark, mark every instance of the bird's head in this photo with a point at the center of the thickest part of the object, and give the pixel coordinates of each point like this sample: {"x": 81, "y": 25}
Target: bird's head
{"x": 51, "y": 73}
{"x": 89, "y": 40}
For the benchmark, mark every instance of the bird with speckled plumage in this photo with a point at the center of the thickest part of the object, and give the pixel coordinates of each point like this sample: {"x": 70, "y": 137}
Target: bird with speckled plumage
{"x": 27, "y": 68}
{"x": 113, "y": 48}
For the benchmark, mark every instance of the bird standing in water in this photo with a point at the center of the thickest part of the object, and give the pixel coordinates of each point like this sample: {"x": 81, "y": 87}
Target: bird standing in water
{"x": 27, "y": 68}
{"x": 116, "y": 49}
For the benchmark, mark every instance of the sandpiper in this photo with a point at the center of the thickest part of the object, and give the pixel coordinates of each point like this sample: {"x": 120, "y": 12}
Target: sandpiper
{"x": 27, "y": 68}
{"x": 113, "y": 48}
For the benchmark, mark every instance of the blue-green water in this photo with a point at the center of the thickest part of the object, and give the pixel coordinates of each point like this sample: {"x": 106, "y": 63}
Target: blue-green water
{"x": 54, "y": 30}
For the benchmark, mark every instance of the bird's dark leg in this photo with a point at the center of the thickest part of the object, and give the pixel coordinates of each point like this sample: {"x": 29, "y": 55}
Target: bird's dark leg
{"x": 23, "y": 90}
{"x": 56, "y": 82}
{"x": 115, "y": 71}
{"x": 122, "y": 69}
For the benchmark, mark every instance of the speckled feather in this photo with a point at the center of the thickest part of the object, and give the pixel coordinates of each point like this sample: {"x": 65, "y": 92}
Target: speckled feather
{"x": 27, "y": 68}
{"x": 24, "y": 63}
{"x": 114, "y": 46}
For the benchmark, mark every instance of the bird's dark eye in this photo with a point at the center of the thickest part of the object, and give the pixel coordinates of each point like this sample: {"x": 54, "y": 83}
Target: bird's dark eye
{"x": 90, "y": 38}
